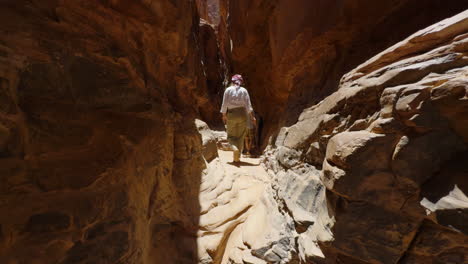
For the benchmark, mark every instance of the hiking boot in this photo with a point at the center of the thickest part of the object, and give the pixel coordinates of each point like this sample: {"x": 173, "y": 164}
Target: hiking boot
{"x": 235, "y": 153}
{"x": 236, "y": 156}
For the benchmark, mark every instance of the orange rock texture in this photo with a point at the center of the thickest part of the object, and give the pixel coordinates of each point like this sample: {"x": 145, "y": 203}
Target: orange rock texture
{"x": 100, "y": 158}
{"x": 105, "y": 159}
{"x": 294, "y": 52}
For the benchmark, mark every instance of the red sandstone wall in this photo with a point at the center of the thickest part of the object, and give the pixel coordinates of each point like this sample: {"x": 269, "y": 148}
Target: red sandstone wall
{"x": 99, "y": 156}
{"x": 293, "y": 52}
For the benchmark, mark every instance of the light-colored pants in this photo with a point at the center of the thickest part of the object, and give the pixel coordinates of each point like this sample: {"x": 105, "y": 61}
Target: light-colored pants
{"x": 236, "y": 127}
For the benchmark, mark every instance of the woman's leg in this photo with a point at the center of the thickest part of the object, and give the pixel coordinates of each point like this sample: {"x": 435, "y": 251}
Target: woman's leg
{"x": 241, "y": 131}
{"x": 236, "y": 129}
{"x": 247, "y": 142}
{"x": 231, "y": 129}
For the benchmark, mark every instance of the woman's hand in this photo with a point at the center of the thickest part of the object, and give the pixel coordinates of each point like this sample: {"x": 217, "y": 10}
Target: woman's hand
{"x": 254, "y": 120}
{"x": 224, "y": 118}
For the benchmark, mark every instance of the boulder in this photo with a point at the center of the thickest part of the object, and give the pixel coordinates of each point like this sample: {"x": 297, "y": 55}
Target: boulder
{"x": 210, "y": 149}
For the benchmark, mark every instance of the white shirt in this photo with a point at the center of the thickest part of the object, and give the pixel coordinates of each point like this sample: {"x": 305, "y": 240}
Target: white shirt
{"x": 236, "y": 96}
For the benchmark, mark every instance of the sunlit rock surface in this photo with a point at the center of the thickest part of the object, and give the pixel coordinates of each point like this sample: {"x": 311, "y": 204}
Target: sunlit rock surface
{"x": 389, "y": 147}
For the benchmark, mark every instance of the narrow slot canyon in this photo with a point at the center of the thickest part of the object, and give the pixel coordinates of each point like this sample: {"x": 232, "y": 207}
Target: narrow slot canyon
{"x": 113, "y": 149}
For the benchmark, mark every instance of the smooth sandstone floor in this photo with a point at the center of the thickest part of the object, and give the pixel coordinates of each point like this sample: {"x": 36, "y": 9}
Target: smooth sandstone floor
{"x": 247, "y": 166}
{"x": 234, "y": 216}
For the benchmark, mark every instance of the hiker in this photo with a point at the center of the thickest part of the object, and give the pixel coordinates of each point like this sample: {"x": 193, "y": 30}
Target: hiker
{"x": 236, "y": 110}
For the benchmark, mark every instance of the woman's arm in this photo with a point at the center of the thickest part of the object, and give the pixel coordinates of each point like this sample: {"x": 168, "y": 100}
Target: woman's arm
{"x": 252, "y": 117}
{"x": 248, "y": 106}
{"x": 224, "y": 107}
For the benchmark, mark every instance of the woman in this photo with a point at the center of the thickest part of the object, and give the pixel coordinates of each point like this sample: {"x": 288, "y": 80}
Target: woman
{"x": 236, "y": 109}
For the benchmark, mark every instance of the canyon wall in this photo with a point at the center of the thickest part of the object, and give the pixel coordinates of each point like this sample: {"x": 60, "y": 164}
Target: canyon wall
{"x": 374, "y": 173}
{"x": 100, "y": 158}
{"x": 214, "y": 61}
{"x": 294, "y": 52}
{"x": 390, "y": 148}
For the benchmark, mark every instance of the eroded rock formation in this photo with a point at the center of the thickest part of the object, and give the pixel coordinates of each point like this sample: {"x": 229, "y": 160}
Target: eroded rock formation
{"x": 371, "y": 174}
{"x": 103, "y": 159}
{"x": 294, "y": 52}
{"x": 214, "y": 61}
{"x": 386, "y": 146}
{"x": 100, "y": 158}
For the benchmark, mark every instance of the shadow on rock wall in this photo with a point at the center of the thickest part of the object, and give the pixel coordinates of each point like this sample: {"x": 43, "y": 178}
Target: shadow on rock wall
{"x": 100, "y": 159}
